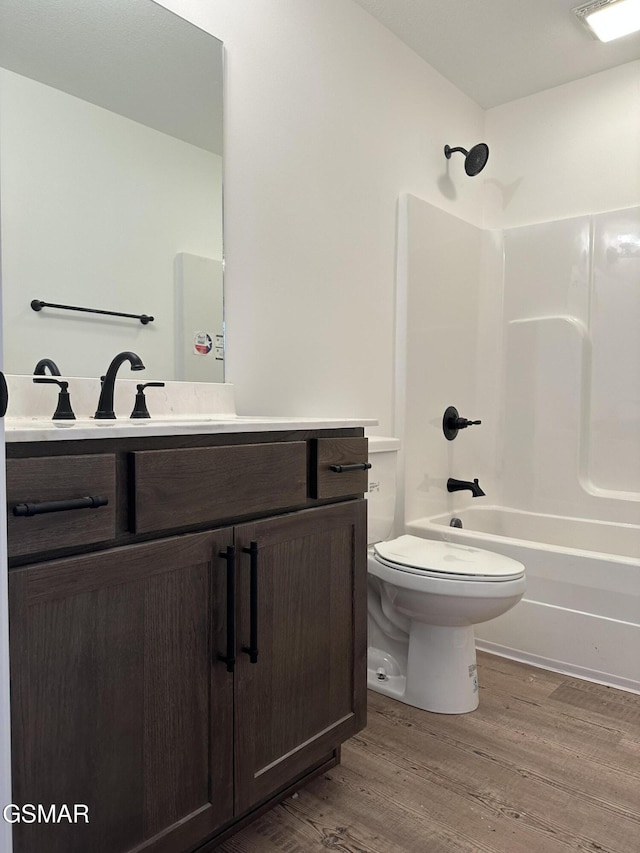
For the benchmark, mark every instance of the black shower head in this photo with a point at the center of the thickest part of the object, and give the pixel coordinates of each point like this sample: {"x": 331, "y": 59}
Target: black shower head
{"x": 474, "y": 160}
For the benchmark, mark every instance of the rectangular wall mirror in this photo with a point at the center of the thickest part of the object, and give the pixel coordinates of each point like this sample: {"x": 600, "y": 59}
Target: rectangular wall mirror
{"x": 110, "y": 188}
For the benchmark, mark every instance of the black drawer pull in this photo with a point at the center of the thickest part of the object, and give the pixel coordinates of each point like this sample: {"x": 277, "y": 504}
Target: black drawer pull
{"x": 30, "y": 509}
{"x": 230, "y": 658}
{"x": 252, "y": 648}
{"x": 357, "y": 466}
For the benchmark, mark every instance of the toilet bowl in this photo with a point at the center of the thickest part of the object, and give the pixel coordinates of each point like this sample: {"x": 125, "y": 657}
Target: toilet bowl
{"x": 424, "y": 597}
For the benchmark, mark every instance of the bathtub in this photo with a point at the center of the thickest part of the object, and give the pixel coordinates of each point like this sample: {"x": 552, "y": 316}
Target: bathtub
{"x": 580, "y": 614}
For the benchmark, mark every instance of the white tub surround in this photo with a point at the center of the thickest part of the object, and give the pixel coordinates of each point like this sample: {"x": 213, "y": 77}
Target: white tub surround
{"x": 178, "y": 408}
{"x": 581, "y": 612}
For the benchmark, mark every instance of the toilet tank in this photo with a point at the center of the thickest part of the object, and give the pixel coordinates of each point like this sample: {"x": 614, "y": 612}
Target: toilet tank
{"x": 383, "y": 456}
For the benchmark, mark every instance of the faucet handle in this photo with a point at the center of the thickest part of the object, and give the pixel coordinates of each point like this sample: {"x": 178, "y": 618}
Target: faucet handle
{"x": 452, "y": 423}
{"x": 63, "y": 412}
{"x": 140, "y": 409}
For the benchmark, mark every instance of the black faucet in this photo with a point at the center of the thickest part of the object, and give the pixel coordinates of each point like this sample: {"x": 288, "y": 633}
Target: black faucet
{"x": 460, "y": 485}
{"x": 105, "y": 403}
{"x": 44, "y": 363}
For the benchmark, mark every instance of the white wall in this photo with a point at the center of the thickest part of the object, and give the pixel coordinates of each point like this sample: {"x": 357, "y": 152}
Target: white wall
{"x": 328, "y": 117}
{"x": 568, "y": 151}
{"x": 95, "y": 208}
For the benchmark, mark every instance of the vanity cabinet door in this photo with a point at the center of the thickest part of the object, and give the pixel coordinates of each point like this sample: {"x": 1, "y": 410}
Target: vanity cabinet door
{"x": 119, "y": 701}
{"x": 306, "y": 692}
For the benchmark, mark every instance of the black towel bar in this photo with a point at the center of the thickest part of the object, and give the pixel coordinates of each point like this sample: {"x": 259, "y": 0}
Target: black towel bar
{"x": 38, "y": 305}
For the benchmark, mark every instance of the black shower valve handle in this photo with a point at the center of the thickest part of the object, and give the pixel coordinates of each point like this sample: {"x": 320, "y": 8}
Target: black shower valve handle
{"x": 463, "y": 423}
{"x": 452, "y": 423}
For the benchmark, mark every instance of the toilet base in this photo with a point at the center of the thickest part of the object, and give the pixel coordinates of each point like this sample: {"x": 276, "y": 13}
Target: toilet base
{"x": 442, "y": 674}
{"x": 441, "y": 671}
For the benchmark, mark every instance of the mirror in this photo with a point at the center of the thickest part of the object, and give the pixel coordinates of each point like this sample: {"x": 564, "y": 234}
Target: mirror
{"x": 110, "y": 188}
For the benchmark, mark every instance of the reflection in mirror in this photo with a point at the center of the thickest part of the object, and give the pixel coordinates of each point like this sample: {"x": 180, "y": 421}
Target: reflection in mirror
{"x": 110, "y": 187}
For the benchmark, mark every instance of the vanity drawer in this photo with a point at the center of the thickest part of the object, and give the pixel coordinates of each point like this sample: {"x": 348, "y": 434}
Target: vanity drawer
{"x": 175, "y": 488}
{"x": 59, "y": 481}
{"x": 341, "y": 454}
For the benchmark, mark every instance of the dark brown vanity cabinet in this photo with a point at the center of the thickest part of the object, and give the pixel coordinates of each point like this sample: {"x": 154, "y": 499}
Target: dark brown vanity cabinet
{"x": 149, "y": 685}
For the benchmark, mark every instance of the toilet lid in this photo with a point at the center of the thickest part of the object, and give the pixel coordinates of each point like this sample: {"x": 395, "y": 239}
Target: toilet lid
{"x": 446, "y": 559}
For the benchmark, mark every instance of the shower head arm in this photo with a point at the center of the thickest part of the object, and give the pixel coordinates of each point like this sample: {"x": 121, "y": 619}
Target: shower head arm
{"x": 448, "y": 151}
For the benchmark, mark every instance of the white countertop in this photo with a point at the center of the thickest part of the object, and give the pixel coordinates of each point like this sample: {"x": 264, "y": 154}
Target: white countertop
{"x": 178, "y": 408}
{"x": 37, "y": 429}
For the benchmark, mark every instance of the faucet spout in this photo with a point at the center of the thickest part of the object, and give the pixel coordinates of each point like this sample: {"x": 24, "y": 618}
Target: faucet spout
{"x": 105, "y": 403}
{"x": 46, "y": 364}
{"x": 461, "y": 485}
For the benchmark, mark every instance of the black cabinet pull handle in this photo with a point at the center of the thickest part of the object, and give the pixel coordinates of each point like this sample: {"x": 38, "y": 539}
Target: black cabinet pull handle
{"x": 230, "y": 658}
{"x": 29, "y": 509}
{"x": 356, "y": 466}
{"x": 252, "y": 648}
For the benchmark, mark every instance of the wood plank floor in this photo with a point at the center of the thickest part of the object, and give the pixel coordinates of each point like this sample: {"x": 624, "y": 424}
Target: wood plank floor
{"x": 546, "y": 764}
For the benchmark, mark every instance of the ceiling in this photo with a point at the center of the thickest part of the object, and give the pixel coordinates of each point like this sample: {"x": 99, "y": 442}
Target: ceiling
{"x": 499, "y": 50}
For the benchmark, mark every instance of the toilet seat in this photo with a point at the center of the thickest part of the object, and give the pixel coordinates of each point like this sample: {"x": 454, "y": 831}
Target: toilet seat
{"x": 447, "y": 560}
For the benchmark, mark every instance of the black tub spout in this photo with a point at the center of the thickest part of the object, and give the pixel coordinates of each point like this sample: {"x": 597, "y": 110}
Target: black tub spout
{"x": 460, "y": 485}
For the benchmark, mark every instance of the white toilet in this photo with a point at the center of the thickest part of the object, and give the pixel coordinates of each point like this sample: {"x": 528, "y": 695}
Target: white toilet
{"x": 424, "y": 597}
